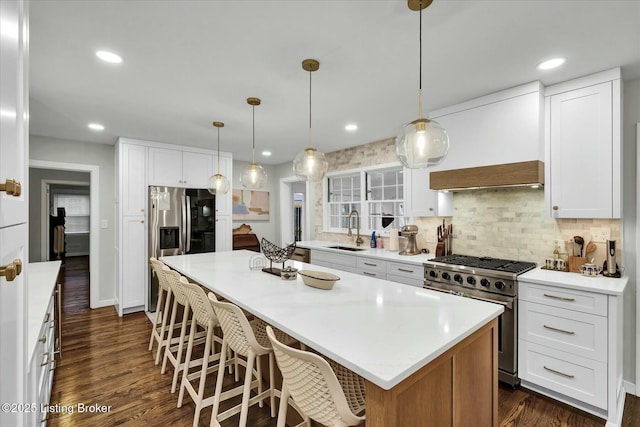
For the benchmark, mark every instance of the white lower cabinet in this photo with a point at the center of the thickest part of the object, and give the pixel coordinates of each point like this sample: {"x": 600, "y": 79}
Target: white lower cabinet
{"x": 409, "y": 274}
{"x": 133, "y": 267}
{"x": 371, "y": 267}
{"x": 334, "y": 260}
{"x": 570, "y": 347}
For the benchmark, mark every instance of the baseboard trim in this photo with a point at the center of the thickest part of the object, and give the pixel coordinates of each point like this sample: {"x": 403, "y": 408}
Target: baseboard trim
{"x": 630, "y": 388}
{"x": 104, "y": 303}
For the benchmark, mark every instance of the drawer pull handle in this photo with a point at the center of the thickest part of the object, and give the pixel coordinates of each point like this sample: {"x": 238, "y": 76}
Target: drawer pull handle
{"x": 558, "y": 372}
{"x": 45, "y": 359}
{"x": 405, "y": 270}
{"x": 370, "y": 265}
{"x": 369, "y": 274}
{"x": 559, "y": 330}
{"x": 560, "y": 298}
{"x": 11, "y": 270}
{"x": 43, "y": 339}
{"x": 53, "y": 365}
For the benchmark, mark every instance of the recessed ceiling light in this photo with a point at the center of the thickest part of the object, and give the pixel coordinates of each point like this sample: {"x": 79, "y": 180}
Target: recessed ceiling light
{"x": 266, "y": 153}
{"x": 551, "y": 63}
{"x": 96, "y": 126}
{"x": 110, "y": 57}
{"x": 351, "y": 127}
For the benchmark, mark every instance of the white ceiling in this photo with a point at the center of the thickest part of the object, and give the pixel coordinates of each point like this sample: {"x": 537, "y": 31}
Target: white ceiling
{"x": 188, "y": 63}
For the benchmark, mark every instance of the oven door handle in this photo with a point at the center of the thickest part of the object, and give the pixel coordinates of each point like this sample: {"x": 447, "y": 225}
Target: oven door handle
{"x": 507, "y": 304}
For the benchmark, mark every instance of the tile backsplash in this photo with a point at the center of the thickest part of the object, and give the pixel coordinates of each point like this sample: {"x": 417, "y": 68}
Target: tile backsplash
{"x": 503, "y": 223}
{"x": 511, "y": 223}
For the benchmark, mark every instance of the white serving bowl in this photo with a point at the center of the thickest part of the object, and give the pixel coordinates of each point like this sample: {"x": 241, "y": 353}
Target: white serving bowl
{"x": 318, "y": 279}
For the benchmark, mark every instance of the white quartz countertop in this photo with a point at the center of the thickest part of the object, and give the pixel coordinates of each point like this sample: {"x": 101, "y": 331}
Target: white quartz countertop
{"x": 599, "y": 284}
{"x": 42, "y": 281}
{"x": 384, "y": 331}
{"x": 383, "y": 254}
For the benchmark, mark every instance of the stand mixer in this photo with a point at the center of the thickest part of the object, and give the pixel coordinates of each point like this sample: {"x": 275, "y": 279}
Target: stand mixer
{"x": 410, "y": 232}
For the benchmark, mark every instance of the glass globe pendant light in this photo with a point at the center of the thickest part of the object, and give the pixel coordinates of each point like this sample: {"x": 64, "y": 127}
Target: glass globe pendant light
{"x": 310, "y": 164}
{"x": 218, "y": 183}
{"x": 422, "y": 142}
{"x": 254, "y": 176}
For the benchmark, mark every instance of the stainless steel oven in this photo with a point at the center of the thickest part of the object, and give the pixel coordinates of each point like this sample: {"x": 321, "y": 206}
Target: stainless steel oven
{"x": 487, "y": 279}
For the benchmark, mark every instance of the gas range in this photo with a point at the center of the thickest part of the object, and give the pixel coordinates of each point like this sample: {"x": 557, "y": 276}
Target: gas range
{"x": 498, "y": 276}
{"x": 487, "y": 279}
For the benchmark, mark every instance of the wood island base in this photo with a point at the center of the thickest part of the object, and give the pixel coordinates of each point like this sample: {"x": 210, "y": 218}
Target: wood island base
{"x": 459, "y": 388}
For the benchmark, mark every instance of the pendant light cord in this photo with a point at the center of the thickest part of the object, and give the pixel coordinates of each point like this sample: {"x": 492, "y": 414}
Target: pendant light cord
{"x": 253, "y": 124}
{"x": 420, "y": 76}
{"x": 310, "y": 109}
{"x": 218, "y": 151}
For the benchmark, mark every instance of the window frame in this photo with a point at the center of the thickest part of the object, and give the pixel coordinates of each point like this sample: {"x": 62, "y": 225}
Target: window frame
{"x": 364, "y": 202}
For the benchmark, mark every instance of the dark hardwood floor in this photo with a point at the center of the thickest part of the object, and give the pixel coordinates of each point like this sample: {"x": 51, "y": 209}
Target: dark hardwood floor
{"x": 105, "y": 362}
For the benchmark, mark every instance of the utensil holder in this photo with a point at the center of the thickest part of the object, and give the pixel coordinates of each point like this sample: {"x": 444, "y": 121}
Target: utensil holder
{"x": 575, "y": 262}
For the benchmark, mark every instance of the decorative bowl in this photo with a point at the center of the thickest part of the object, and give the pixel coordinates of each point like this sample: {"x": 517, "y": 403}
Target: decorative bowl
{"x": 318, "y": 279}
{"x": 289, "y": 273}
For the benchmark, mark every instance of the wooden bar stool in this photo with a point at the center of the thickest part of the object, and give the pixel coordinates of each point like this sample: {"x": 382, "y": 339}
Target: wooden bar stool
{"x": 239, "y": 336}
{"x": 160, "y": 329}
{"x": 324, "y": 391}
{"x": 175, "y": 348}
{"x": 204, "y": 317}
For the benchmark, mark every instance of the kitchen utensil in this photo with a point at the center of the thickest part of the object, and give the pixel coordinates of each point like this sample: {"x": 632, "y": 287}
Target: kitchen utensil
{"x": 580, "y": 242}
{"x": 589, "y": 248}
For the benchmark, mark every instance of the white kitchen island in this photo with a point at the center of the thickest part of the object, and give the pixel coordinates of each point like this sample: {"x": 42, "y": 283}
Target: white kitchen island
{"x": 429, "y": 358}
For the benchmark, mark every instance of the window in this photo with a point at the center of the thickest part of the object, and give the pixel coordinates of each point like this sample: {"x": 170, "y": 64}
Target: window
{"x": 376, "y": 193}
{"x": 77, "y": 210}
{"x": 385, "y": 199}
{"x": 344, "y": 196}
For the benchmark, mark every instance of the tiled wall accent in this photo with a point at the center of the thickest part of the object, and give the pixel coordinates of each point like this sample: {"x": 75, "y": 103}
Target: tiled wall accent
{"x": 511, "y": 223}
{"x": 504, "y": 223}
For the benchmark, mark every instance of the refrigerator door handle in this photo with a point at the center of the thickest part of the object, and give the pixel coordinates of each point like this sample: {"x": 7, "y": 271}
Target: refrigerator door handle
{"x": 187, "y": 220}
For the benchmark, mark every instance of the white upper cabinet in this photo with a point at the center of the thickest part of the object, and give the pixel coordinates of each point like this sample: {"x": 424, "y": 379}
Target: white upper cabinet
{"x": 421, "y": 201}
{"x": 583, "y": 147}
{"x": 504, "y": 127}
{"x": 176, "y": 168}
{"x": 132, "y": 178}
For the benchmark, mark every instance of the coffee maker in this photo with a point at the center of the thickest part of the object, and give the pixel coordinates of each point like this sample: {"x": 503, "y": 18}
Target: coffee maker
{"x": 610, "y": 267}
{"x": 410, "y": 232}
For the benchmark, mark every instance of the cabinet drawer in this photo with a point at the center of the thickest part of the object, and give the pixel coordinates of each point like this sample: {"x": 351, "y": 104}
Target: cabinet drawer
{"x": 406, "y": 280}
{"x": 369, "y": 273}
{"x": 371, "y": 264}
{"x": 566, "y": 330}
{"x": 412, "y": 271}
{"x": 337, "y": 259}
{"x": 571, "y": 299}
{"x": 574, "y": 376}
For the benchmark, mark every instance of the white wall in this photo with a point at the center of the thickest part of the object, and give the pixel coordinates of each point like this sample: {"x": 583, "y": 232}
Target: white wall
{"x": 101, "y": 155}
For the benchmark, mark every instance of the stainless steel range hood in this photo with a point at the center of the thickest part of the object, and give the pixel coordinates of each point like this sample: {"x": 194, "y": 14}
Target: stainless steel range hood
{"x": 519, "y": 174}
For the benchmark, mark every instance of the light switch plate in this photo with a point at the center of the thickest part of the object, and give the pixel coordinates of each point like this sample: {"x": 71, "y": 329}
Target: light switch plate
{"x": 104, "y": 223}
{"x": 600, "y": 235}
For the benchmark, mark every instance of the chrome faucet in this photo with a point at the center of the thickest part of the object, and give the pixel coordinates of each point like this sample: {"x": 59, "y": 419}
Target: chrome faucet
{"x": 359, "y": 240}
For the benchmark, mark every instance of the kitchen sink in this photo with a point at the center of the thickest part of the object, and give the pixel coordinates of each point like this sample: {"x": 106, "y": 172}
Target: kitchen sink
{"x": 347, "y": 248}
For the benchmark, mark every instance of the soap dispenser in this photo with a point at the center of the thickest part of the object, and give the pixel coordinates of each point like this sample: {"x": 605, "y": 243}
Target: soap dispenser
{"x": 373, "y": 239}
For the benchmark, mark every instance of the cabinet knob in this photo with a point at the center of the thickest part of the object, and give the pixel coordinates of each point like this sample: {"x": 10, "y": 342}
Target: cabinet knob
{"x": 12, "y": 270}
{"x": 141, "y": 210}
{"x": 11, "y": 187}
{"x": 142, "y": 221}
{"x": 555, "y": 207}
{"x": 430, "y": 209}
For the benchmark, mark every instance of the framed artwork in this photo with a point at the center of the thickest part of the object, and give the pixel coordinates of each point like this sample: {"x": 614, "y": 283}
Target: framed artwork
{"x": 250, "y": 205}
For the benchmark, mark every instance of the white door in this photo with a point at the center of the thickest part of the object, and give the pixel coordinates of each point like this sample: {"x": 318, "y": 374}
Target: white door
{"x": 14, "y": 153}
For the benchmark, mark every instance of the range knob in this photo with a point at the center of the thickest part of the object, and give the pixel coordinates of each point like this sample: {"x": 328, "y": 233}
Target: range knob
{"x": 458, "y": 278}
{"x": 446, "y": 276}
{"x": 433, "y": 274}
{"x": 485, "y": 282}
{"x": 471, "y": 280}
{"x": 500, "y": 284}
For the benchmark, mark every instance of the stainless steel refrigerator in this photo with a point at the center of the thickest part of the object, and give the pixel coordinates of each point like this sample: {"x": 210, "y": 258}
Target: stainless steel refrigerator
{"x": 181, "y": 221}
